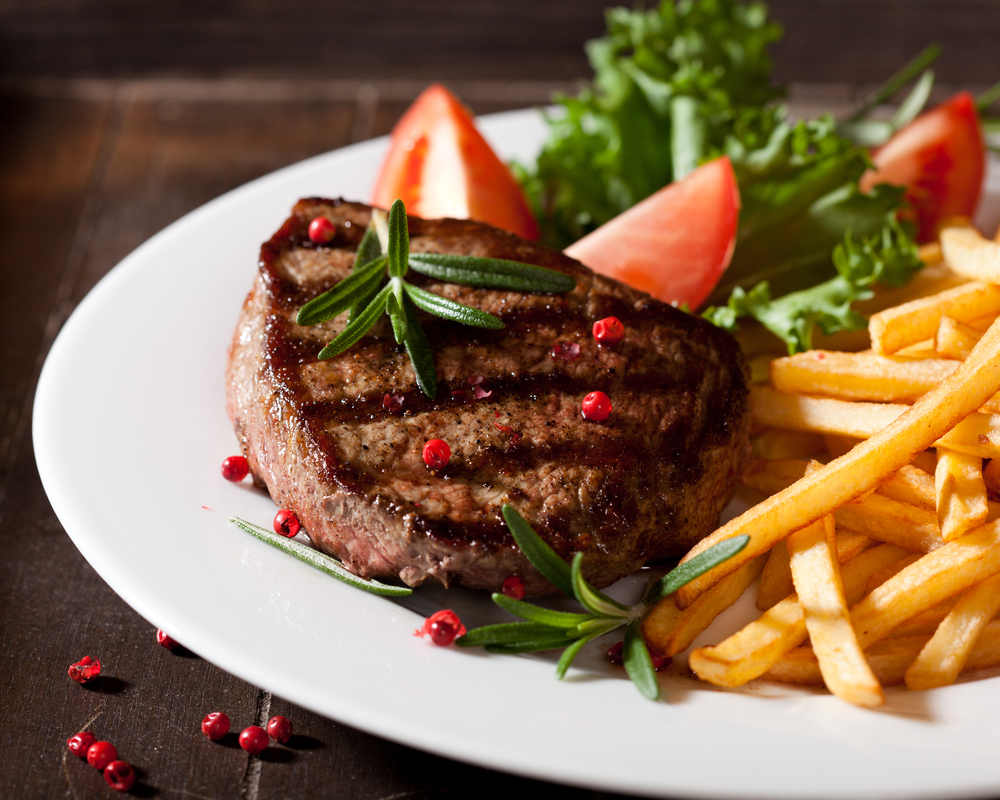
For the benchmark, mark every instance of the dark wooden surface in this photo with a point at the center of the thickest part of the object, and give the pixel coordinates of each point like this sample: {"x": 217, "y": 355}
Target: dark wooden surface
{"x": 120, "y": 117}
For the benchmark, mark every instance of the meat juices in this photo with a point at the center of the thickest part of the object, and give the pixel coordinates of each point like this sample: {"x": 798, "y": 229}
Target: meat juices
{"x": 646, "y": 483}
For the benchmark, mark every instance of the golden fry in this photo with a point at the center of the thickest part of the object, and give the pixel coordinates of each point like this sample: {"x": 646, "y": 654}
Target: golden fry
{"x": 837, "y": 446}
{"x": 937, "y": 576}
{"x": 750, "y": 652}
{"x": 878, "y": 578}
{"x": 776, "y": 579}
{"x": 978, "y": 434}
{"x": 970, "y": 254}
{"x": 776, "y": 443}
{"x": 669, "y": 630}
{"x": 945, "y": 654}
{"x": 816, "y": 576}
{"x": 924, "y": 623}
{"x": 889, "y": 660}
{"x": 961, "y": 493}
{"x": 911, "y": 485}
{"x": 895, "y": 328}
{"x": 859, "y": 376}
{"x": 891, "y": 521}
{"x": 955, "y": 339}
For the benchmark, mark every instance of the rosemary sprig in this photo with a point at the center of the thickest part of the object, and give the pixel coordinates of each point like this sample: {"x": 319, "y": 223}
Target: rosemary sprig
{"x": 319, "y": 560}
{"x": 545, "y": 629}
{"x": 384, "y": 253}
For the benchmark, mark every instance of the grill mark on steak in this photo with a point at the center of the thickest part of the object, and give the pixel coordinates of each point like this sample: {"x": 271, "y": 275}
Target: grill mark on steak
{"x": 645, "y": 484}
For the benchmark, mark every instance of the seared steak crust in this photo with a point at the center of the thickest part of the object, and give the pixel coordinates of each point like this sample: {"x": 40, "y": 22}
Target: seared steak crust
{"x": 326, "y": 441}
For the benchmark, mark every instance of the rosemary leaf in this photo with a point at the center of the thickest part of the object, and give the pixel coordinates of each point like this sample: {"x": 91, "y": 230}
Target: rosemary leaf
{"x": 914, "y": 102}
{"x": 419, "y": 350}
{"x": 394, "y": 307}
{"x": 908, "y": 72}
{"x": 493, "y": 273}
{"x": 358, "y": 327}
{"x": 689, "y": 570}
{"x": 533, "y": 646}
{"x": 545, "y": 616}
{"x": 571, "y": 653}
{"x": 342, "y": 296}
{"x": 399, "y": 240}
{"x": 594, "y": 601}
{"x": 598, "y": 626}
{"x": 448, "y": 309}
{"x": 364, "y": 301}
{"x": 638, "y": 664}
{"x": 319, "y": 560}
{"x": 513, "y": 633}
{"x": 542, "y": 557}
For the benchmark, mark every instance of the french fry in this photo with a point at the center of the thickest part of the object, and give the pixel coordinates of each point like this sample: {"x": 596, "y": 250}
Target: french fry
{"x": 860, "y": 470}
{"x": 938, "y": 575}
{"x": 770, "y": 476}
{"x": 895, "y": 328}
{"x": 961, "y": 493}
{"x": 945, "y": 654}
{"x": 837, "y": 446}
{"x": 925, "y": 623}
{"x": 889, "y": 659}
{"x": 879, "y": 578}
{"x": 816, "y": 576}
{"x": 776, "y": 578}
{"x": 669, "y": 630}
{"x": 878, "y": 516}
{"x": 776, "y": 443}
{"x": 856, "y": 376}
{"x": 777, "y": 575}
{"x": 955, "y": 339}
{"x": 970, "y": 254}
{"x": 911, "y": 485}
{"x": 925, "y": 461}
{"x": 979, "y": 434}
{"x": 889, "y": 520}
{"x": 750, "y": 652}
{"x": 930, "y": 253}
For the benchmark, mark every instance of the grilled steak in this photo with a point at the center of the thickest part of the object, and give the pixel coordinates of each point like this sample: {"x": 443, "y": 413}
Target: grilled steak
{"x": 340, "y": 441}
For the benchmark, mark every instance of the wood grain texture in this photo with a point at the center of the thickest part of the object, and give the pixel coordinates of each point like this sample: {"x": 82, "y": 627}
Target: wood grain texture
{"x": 826, "y": 40}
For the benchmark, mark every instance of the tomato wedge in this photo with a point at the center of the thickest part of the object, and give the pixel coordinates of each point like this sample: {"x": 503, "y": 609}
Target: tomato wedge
{"x": 940, "y": 159}
{"x": 676, "y": 243}
{"x": 439, "y": 165}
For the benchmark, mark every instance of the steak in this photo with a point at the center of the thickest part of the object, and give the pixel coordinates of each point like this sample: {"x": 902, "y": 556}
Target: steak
{"x": 340, "y": 441}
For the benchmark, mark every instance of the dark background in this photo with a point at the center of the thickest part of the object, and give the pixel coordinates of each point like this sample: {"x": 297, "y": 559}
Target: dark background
{"x": 118, "y": 118}
{"x": 828, "y": 40}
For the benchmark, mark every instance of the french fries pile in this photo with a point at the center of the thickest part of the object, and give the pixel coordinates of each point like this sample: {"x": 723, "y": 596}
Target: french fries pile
{"x": 879, "y": 556}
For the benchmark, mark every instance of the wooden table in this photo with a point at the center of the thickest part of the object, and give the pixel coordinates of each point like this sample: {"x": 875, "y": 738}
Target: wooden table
{"x": 90, "y": 167}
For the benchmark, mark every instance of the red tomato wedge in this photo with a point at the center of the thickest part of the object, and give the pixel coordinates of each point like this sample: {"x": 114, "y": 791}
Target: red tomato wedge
{"x": 439, "y": 165}
{"x": 676, "y": 243}
{"x": 939, "y": 158}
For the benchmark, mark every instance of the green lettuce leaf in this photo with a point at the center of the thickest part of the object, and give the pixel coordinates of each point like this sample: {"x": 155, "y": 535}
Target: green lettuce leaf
{"x": 669, "y": 84}
{"x": 888, "y": 258}
{"x": 685, "y": 83}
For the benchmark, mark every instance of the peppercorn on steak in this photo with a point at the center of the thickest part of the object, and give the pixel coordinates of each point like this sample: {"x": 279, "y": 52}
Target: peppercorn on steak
{"x": 340, "y": 441}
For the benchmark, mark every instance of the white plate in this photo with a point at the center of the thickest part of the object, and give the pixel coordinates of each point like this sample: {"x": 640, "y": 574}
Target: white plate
{"x": 130, "y": 430}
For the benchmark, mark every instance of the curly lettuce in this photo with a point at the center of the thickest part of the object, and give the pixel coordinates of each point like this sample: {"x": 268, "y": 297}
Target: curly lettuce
{"x": 687, "y": 82}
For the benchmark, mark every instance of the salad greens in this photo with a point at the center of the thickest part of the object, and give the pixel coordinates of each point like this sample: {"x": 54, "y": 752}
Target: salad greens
{"x": 690, "y": 81}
